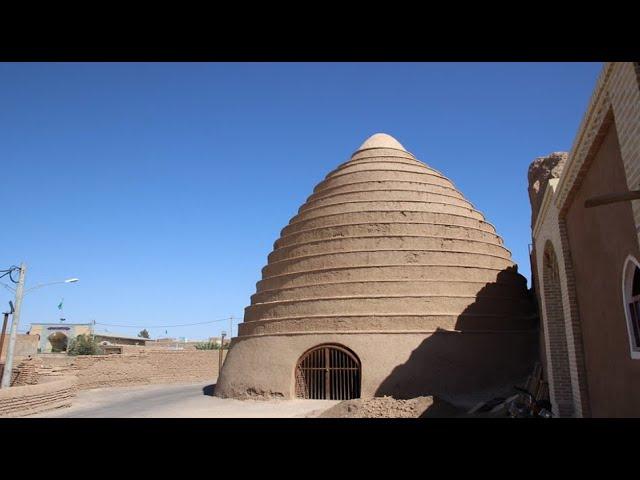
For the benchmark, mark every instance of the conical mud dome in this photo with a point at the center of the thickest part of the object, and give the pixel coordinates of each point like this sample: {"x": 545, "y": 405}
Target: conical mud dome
{"x": 384, "y": 245}
{"x": 385, "y": 235}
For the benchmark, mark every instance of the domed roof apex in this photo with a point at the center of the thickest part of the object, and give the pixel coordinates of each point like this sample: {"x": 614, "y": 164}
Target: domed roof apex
{"x": 381, "y": 140}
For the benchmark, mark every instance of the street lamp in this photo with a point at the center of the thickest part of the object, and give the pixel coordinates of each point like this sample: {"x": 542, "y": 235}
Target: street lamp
{"x": 20, "y": 292}
{"x": 68, "y": 280}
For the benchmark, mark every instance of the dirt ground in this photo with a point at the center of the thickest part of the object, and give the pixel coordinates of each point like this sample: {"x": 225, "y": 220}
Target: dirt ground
{"x": 197, "y": 400}
{"x": 388, "y": 407}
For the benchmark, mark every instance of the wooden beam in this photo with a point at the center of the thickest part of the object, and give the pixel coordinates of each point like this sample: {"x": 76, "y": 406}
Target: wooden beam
{"x": 612, "y": 198}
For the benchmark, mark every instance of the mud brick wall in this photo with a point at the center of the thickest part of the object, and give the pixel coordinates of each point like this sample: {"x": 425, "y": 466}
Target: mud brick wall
{"x": 25, "y": 373}
{"x": 25, "y": 345}
{"x": 147, "y": 367}
{"x": 131, "y": 349}
{"x": 24, "y": 400}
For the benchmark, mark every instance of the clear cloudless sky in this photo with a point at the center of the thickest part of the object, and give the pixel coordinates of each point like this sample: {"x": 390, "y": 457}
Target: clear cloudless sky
{"x": 163, "y": 186}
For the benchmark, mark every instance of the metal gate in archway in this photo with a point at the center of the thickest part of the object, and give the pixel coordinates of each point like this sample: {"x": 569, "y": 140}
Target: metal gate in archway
{"x": 328, "y": 372}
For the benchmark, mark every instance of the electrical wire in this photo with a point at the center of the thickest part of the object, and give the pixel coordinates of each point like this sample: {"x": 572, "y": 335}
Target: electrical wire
{"x": 165, "y": 326}
{"x": 9, "y": 272}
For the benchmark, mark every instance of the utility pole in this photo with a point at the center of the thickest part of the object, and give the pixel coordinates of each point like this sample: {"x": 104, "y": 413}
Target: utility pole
{"x": 15, "y": 318}
{"x": 220, "y": 352}
{"x": 4, "y": 329}
{"x": 230, "y": 327}
{"x": 4, "y": 326}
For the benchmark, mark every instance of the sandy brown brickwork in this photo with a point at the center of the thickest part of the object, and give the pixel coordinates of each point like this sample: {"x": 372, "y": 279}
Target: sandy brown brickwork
{"x": 563, "y": 395}
{"x": 25, "y": 345}
{"x": 624, "y": 95}
{"x": 147, "y": 367}
{"x": 25, "y": 400}
{"x": 613, "y": 111}
{"x": 615, "y": 98}
{"x": 132, "y": 349}
{"x": 26, "y": 373}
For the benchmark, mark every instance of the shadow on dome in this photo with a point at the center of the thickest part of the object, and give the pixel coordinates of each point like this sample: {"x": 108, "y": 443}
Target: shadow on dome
{"x": 481, "y": 356}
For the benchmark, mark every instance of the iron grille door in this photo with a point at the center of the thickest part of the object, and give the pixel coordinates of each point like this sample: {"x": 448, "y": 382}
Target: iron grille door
{"x": 328, "y": 372}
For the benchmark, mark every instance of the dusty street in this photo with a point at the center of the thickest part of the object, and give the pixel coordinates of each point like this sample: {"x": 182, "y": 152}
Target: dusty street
{"x": 171, "y": 401}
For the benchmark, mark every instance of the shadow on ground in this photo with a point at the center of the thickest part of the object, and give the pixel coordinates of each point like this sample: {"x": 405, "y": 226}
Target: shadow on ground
{"x": 441, "y": 409}
{"x": 209, "y": 389}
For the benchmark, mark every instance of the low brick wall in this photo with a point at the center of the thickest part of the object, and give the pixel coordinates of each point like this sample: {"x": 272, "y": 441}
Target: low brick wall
{"x": 145, "y": 367}
{"x": 25, "y": 372}
{"x": 50, "y": 393}
{"x": 129, "y": 349}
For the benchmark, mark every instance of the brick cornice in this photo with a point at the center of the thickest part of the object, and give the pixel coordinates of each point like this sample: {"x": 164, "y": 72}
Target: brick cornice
{"x": 544, "y": 206}
{"x": 591, "y": 124}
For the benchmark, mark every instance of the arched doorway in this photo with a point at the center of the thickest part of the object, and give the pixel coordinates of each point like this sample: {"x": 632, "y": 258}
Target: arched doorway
{"x": 328, "y": 372}
{"x": 556, "y": 328}
{"x": 58, "y": 341}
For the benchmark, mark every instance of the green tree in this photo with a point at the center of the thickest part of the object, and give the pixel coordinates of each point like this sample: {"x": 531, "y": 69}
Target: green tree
{"x": 143, "y": 333}
{"x": 211, "y": 346}
{"x": 84, "y": 345}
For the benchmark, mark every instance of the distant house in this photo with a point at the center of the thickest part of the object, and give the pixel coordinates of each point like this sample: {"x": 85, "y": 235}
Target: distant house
{"x": 166, "y": 340}
{"x": 117, "y": 339}
{"x": 55, "y": 337}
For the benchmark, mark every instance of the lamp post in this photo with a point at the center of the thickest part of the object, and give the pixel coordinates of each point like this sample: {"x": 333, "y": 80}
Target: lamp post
{"x": 20, "y": 293}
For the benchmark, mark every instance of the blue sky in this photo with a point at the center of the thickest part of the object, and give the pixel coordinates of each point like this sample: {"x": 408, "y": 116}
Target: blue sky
{"x": 163, "y": 186}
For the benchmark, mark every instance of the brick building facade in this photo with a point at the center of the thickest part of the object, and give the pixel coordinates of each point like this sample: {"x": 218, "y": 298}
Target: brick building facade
{"x": 584, "y": 257}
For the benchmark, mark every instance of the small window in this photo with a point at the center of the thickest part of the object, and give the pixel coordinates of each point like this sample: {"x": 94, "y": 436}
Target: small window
{"x": 631, "y": 293}
{"x": 634, "y": 308}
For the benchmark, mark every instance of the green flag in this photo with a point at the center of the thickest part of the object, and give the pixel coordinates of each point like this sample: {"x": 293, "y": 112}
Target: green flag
{"x": 60, "y": 304}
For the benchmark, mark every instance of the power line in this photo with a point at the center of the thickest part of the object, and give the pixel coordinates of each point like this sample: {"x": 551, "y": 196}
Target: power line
{"x": 9, "y": 272}
{"x": 163, "y": 326}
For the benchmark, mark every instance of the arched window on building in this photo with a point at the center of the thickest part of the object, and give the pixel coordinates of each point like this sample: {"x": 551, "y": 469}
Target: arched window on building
{"x": 631, "y": 296}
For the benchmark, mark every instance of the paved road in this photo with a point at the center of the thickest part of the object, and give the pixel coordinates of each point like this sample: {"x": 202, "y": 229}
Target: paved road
{"x": 171, "y": 401}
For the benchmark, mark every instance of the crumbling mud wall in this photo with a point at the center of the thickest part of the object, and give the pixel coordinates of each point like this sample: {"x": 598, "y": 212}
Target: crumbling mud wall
{"x": 541, "y": 170}
{"x": 146, "y": 367}
{"x": 25, "y": 345}
{"x": 49, "y": 394}
{"x": 25, "y": 372}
